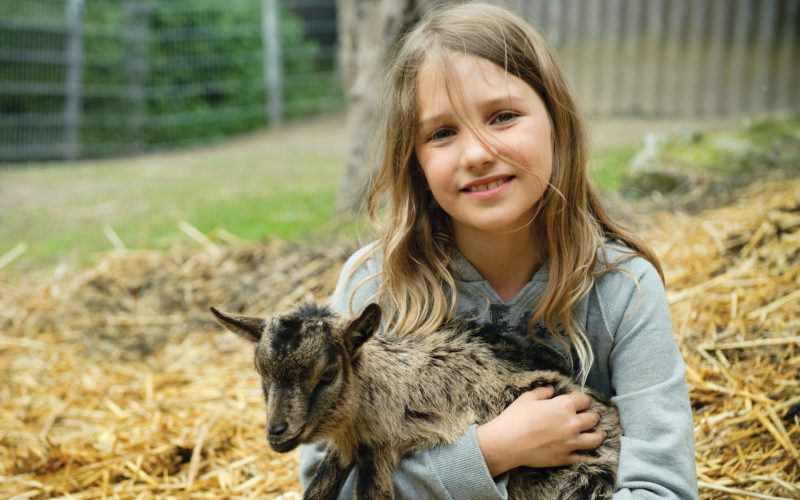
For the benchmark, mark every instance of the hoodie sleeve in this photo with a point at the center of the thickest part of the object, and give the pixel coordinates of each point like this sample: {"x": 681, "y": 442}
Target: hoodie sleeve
{"x": 456, "y": 471}
{"x": 648, "y": 385}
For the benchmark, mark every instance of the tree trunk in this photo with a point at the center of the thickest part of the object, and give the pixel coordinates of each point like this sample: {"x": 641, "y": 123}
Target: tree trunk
{"x": 368, "y": 31}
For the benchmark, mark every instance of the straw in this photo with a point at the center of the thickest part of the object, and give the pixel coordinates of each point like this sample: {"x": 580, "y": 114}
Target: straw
{"x": 119, "y": 384}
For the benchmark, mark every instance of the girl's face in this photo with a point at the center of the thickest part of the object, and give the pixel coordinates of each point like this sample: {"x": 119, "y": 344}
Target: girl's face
{"x": 484, "y": 143}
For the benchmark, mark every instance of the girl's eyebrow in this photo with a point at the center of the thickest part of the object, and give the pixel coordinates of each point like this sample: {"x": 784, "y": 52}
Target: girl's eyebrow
{"x": 430, "y": 121}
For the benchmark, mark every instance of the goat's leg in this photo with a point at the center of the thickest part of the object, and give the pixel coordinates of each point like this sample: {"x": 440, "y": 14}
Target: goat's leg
{"x": 373, "y": 475}
{"x": 328, "y": 478}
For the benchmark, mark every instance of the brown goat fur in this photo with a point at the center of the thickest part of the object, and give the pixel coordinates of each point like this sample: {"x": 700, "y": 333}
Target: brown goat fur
{"x": 375, "y": 399}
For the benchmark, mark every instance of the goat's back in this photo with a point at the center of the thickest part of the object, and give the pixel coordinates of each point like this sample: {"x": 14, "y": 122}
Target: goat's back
{"x": 420, "y": 392}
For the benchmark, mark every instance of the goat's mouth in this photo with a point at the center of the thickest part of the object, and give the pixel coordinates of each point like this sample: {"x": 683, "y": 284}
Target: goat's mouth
{"x": 282, "y": 445}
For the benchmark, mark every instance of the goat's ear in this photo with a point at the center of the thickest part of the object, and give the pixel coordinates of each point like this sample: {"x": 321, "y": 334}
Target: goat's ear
{"x": 248, "y": 327}
{"x": 363, "y": 327}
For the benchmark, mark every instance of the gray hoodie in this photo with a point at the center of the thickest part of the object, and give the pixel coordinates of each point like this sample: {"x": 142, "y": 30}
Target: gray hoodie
{"x": 637, "y": 365}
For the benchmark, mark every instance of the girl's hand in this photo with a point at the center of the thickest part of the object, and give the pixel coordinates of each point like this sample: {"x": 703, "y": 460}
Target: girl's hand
{"x": 538, "y": 430}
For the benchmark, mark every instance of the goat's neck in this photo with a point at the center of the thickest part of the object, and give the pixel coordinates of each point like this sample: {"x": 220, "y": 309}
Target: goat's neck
{"x": 373, "y": 382}
{"x": 357, "y": 419}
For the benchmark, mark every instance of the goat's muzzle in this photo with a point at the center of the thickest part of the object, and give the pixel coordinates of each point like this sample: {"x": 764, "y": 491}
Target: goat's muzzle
{"x": 281, "y": 443}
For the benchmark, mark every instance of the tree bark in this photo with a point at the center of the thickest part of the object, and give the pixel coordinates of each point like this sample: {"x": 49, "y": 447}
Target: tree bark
{"x": 368, "y": 31}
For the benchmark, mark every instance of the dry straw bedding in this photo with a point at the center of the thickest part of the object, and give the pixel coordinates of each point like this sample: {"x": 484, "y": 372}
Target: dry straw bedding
{"x": 118, "y": 385}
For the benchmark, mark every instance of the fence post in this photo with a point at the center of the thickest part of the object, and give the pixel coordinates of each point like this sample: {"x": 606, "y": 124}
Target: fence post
{"x": 636, "y": 34}
{"x": 762, "y": 90}
{"x": 613, "y": 45}
{"x": 697, "y": 56}
{"x": 136, "y": 64}
{"x": 73, "y": 90}
{"x": 788, "y": 83}
{"x": 273, "y": 71}
{"x": 741, "y": 63}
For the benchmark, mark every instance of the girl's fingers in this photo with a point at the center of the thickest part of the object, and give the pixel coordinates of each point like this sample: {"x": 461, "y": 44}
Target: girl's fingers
{"x": 589, "y": 440}
{"x": 577, "y": 401}
{"x": 588, "y": 419}
{"x": 586, "y": 441}
{"x": 582, "y": 401}
{"x": 545, "y": 392}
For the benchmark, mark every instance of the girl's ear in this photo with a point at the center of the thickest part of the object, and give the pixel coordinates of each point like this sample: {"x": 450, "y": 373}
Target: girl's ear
{"x": 363, "y": 327}
{"x": 248, "y": 327}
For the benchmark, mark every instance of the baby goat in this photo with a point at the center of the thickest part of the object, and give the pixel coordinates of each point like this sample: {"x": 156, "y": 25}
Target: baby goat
{"x": 375, "y": 399}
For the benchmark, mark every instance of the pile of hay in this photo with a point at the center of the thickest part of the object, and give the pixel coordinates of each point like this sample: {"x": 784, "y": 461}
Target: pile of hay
{"x": 733, "y": 283}
{"x": 119, "y": 385}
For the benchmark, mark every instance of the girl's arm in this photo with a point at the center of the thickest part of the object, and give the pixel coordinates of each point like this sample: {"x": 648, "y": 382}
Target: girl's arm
{"x": 638, "y": 363}
{"x": 455, "y": 471}
{"x": 648, "y": 384}
{"x": 460, "y": 471}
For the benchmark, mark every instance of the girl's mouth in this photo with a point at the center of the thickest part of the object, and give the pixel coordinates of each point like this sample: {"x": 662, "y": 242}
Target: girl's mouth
{"x": 489, "y": 187}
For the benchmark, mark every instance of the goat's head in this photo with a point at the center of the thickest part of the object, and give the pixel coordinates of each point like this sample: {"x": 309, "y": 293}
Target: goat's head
{"x": 305, "y": 359}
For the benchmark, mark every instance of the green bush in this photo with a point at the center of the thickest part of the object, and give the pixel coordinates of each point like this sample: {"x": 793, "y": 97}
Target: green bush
{"x": 161, "y": 73}
{"x": 756, "y": 149}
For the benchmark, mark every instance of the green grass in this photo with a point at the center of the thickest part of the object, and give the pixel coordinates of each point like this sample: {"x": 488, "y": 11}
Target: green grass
{"x": 279, "y": 185}
{"x": 285, "y": 214}
{"x": 607, "y": 166}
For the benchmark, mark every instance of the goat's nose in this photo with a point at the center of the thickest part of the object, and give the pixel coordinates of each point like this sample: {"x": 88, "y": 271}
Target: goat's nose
{"x": 275, "y": 429}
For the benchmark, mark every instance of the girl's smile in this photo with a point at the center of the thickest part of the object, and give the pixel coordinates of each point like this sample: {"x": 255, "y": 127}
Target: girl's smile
{"x": 488, "y": 187}
{"x": 484, "y": 144}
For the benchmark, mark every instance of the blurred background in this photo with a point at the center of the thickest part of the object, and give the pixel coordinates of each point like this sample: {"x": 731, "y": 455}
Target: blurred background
{"x": 89, "y": 78}
{"x": 265, "y": 86}
{"x": 161, "y": 156}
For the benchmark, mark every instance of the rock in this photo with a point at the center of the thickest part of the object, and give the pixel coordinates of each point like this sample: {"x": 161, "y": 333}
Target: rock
{"x": 648, "y": 173}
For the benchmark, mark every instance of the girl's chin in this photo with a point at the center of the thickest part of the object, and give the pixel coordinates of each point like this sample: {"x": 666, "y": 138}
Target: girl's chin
{"x": 495, "y": 228}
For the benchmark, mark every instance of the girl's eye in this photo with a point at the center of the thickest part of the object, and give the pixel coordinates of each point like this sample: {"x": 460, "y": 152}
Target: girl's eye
{"x": 441, "y": 134}
{"x": 504, "y": 117}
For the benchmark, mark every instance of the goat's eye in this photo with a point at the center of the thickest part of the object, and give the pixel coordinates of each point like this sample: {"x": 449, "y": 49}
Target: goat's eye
{"x": 329, "y": 375}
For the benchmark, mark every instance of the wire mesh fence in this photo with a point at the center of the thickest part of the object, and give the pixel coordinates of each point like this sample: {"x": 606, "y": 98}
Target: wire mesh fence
{"x": 89, "y": 78}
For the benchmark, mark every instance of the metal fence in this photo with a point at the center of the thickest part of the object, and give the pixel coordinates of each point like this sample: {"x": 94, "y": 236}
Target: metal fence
{"x": 675, "y": 58}
{"x": 88, "y": 78}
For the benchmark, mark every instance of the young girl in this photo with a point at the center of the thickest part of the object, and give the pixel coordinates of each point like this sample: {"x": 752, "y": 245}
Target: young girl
{"x": 491, "y": 216}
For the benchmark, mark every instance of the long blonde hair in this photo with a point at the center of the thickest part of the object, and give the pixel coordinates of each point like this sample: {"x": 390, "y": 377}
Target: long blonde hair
{"x": 418, "y": 278}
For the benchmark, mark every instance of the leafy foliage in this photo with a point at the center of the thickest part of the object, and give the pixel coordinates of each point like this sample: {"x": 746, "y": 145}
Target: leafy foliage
{"x": 156, "y": 73}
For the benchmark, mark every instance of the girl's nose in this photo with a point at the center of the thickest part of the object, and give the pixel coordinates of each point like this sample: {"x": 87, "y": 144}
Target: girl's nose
{"x": 475, "y": 153}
